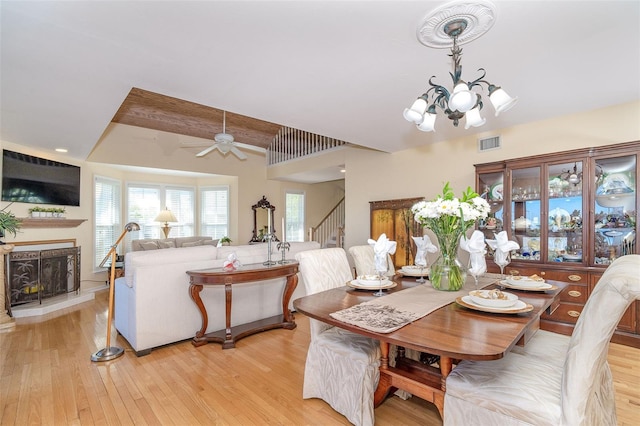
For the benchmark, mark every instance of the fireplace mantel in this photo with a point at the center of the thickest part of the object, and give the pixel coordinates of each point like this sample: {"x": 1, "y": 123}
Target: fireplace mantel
{"x": 28, "y": 222}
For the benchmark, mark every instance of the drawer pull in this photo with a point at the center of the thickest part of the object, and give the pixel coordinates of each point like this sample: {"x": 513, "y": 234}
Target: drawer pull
{"x": 574, "y": 277}
{"x": 574, "y": 293}
{"x": 543, "y": 273}
{"x": 574, "y": 314}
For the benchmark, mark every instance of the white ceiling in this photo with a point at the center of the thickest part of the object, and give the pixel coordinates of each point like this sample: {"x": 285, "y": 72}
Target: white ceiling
{"x": 344, "y": 69}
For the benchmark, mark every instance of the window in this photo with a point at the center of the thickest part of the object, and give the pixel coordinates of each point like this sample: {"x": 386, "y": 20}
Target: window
{"x": 107, "y": 210}
{"x": 146, "y": 201}
{"x": 294, "y": 215}
{"x": 214, "y": 214}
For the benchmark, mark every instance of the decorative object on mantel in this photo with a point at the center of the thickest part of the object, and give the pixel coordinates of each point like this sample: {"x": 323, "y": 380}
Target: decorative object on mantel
{"x": 8, "y": 223}
{"x": 47, "y": 212}
{"x": 452, "y": 25}
{"x": 166, "y": 216}
{"x": 449, "y": 218}
{"x": 112, "y": 352}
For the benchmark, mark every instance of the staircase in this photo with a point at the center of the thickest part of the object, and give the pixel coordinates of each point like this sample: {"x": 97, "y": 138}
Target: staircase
{"x": 330, "y": 231}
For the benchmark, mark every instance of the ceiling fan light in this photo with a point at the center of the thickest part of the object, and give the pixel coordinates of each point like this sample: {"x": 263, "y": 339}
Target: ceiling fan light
{"x": 473, "y": 119}
{"x": 501, "y": 101}
{"x": 462, "y": 99}
{"x": 224, "y": 147}
{"x": 415, "y": 113}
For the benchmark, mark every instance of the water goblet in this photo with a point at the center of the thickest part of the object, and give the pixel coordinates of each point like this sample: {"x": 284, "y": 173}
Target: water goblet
{"x": 422, "y": 263}
{"x": 476, "y": 270}
{"x": 502, "y": 259}
{"x": 381, "y": 269}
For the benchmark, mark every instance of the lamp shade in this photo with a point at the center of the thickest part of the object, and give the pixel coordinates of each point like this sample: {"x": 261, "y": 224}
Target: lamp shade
{"x": 501, "y": 101}
{"x": 416, "y": 112}
{"x": 166, "y": 216}
{"x": 462, "y": 99}
{"x": 428, "y": 124}
{"x": 473, "y": 118}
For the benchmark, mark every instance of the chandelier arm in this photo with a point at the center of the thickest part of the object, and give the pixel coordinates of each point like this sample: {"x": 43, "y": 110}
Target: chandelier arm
{"x": 479, "y": 80}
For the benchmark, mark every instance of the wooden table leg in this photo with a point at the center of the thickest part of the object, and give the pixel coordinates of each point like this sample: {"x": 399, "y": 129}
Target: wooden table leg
{"x": 385, "y": 382}
{"x": 194, "y": 292}
{"x": 228, "y": 338}
{"x": 292, "y": 283}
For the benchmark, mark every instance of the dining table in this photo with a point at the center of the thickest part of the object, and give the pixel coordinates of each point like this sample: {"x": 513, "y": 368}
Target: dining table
{"x": 451, "y": 332}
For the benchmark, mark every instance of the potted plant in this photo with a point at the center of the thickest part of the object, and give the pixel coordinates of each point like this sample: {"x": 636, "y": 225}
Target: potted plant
{"x": 8, "y": 223}
{"x": 225, "y": 241}
{"x": 36, "y": 211}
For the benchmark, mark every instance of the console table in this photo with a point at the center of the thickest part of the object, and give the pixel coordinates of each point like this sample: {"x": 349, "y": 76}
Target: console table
{"x": 245, "y": 274}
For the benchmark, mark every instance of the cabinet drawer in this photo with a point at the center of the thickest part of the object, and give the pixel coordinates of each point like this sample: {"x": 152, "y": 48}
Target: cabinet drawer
{"x": 564, "y": 276}
{"x": 574, "y": 293}
{"x": 566, "y": 312}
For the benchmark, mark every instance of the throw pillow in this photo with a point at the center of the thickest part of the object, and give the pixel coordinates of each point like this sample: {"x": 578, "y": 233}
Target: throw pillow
{"x": 192, "y": 244}
{"x": 166, "y": 244}
{"x": 151, "y": 245}
{"x": 210, "y": 242}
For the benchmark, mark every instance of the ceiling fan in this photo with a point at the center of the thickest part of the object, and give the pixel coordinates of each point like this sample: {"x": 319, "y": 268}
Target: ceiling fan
{"x": 225, "y": 143}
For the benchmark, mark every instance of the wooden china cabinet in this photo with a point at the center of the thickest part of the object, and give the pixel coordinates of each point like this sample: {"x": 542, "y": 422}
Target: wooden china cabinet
{"x": 572, "y": 213}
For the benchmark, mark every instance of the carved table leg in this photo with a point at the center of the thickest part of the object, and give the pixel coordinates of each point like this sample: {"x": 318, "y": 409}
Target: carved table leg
{"x": 292, "y": 283}
{"x": 194, "y": 292}
{"x": 385, "y": 382}
{"x": 228, "y": 338}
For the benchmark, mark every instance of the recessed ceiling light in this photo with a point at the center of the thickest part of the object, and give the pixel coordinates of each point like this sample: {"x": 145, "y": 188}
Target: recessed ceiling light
{"x": 61, "y": 149}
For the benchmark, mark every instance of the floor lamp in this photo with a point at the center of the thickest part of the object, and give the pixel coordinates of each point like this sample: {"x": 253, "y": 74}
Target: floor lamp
{"x": 112, "y": 352}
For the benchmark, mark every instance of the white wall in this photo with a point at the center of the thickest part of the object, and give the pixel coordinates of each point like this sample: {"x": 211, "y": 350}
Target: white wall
{"x": 421, "y": 172}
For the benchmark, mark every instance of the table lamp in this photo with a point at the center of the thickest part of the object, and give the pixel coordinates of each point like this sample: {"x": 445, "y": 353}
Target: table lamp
{"x": 112, "y": 352}
{"x": 166, "y": 216}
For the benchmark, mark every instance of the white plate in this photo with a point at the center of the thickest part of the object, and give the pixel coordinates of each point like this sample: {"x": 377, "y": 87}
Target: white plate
{"x": 540, "y": 287}
{"x": 572, "y": 256}
{"x": 369, "y": 282}
{"x": 414, "y": 271}
{"x": 482, "y": 297}
{"x": 519, "y": 306}
{"x": 496, "y": 192}
{"x": 524, "y": 282}
{"x": 385, "y": 284}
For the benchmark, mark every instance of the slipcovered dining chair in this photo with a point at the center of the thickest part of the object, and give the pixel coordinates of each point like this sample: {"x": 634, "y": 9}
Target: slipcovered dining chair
{"x": 363, "y": 260}
{"x": 341, "y": 367}
{"x": 553, "y": 379}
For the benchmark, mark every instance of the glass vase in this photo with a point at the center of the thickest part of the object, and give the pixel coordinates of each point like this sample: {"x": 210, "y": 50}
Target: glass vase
{"x": 447, "y": 272}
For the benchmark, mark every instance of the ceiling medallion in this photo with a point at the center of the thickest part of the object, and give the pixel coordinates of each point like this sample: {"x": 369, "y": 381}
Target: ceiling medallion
{"x": 479, "y": 16}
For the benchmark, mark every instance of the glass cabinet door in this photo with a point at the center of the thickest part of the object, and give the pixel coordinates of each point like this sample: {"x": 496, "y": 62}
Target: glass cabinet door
{"x": 614, "y": 208}
{"x": 525, "y": 213}
{"x": 564, "y": 222}
{"x": 491, "y": 187}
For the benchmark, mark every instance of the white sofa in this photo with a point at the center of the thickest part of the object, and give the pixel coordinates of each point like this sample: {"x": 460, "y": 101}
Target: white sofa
{"x": 152, "y": 302}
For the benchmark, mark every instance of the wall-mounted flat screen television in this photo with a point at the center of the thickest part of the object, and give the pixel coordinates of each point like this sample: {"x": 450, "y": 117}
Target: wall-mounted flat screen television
{"x": 30, "y": 179}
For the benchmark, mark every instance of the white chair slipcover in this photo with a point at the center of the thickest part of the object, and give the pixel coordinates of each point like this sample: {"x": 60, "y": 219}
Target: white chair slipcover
{"x": 342, "y": 368}
{"x": 553, "y": 379}
{"x": 363, "y": 260}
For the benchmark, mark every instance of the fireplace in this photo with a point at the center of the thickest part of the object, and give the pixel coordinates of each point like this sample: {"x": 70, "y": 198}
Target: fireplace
{"x": 35, "y": 275}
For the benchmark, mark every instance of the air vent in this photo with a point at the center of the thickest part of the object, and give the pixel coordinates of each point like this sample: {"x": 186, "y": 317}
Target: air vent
{"x": 488, "y": 144}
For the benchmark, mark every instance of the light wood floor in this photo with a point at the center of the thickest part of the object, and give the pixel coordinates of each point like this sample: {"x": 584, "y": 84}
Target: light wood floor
{"x": 46, "y": 377}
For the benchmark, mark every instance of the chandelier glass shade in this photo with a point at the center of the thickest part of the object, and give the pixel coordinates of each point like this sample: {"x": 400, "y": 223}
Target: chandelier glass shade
{"x": 462, "y": 101}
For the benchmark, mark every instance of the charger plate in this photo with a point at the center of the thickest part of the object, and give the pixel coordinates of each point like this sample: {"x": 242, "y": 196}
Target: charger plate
{"x": 385, "y": 285}
{"x": 541, "y": 287}
{"x": 518, "y": 308}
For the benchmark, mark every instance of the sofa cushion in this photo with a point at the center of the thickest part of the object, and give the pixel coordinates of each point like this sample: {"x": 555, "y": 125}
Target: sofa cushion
{"x": 149, "y": 245}
{"x": 192, "y": 244}
{"x": 166, "y": 244}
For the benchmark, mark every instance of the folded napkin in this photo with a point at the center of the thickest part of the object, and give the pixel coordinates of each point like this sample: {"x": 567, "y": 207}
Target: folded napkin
{"x": 424, "y": 245}
{"x": 231, "y": 263}
{"x": 475, "y": 245}
{"x": 381, "y": 249}
{"x": 502, "y": 246}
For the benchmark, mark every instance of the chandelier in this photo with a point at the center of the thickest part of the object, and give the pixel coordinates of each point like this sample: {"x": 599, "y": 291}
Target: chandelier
{"x": 462, "y": 101}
